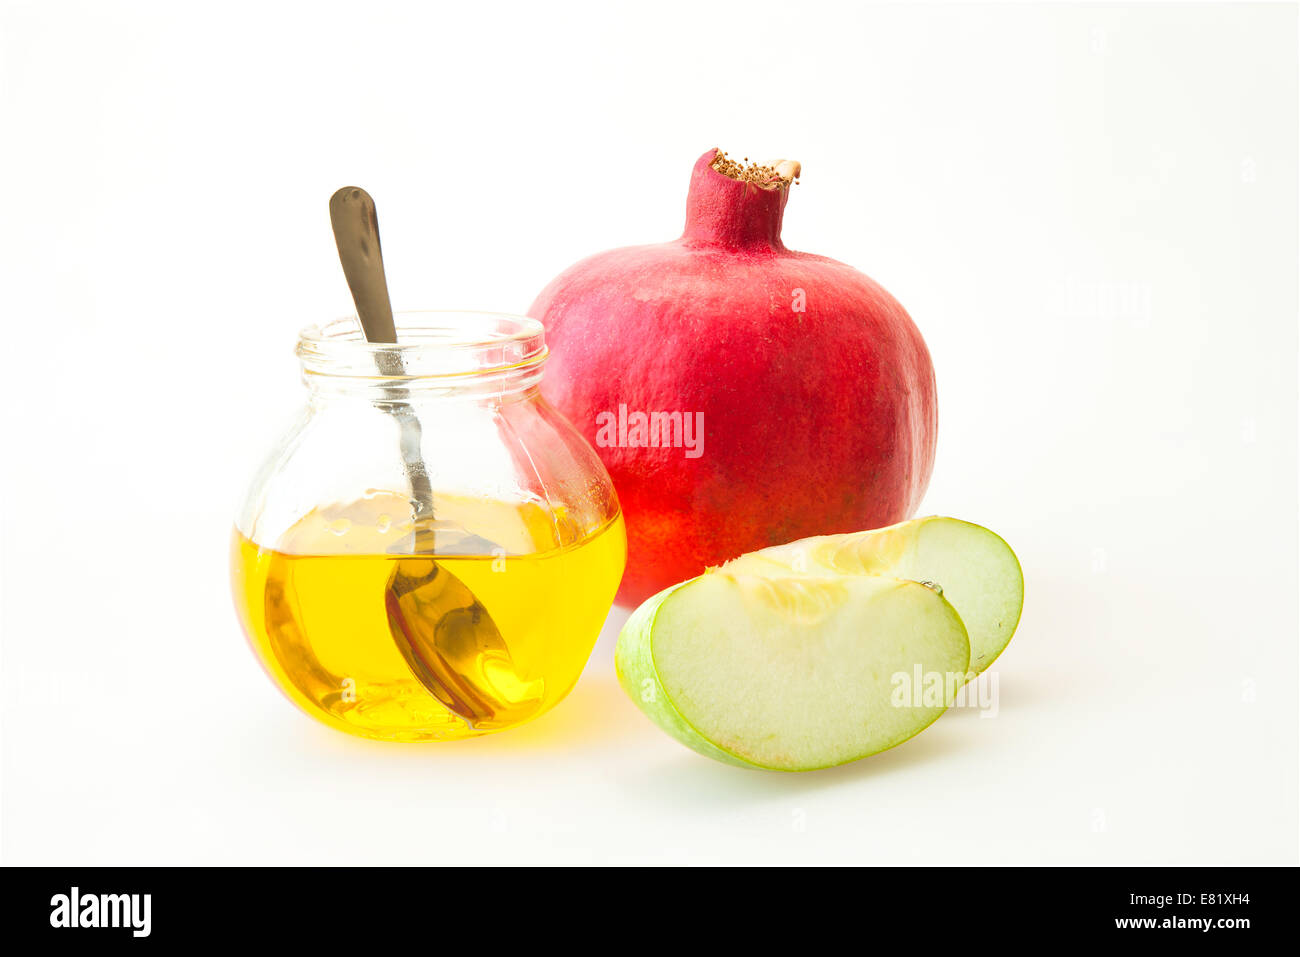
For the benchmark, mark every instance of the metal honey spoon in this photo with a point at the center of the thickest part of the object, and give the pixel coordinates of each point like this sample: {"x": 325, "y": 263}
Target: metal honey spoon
{"x": 442, "y": 630}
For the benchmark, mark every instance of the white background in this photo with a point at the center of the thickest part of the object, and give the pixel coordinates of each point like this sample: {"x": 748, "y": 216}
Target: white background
{"x": 1090, "y": 212}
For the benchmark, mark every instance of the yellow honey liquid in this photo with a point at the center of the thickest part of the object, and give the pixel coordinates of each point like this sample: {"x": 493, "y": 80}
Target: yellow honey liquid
{"x": 405, "y": 632}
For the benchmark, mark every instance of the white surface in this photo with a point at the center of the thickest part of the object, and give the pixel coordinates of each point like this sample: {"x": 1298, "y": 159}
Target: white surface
{"x": 1090, "y": 212}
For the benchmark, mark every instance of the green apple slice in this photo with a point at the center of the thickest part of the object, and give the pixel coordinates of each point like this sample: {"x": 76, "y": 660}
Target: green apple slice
{"x": 974, "y": 569}
{"x": 790, "y": 672}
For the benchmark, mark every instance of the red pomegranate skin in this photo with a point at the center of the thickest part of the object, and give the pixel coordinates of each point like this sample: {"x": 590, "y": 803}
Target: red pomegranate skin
{"x": 815, "y": 422}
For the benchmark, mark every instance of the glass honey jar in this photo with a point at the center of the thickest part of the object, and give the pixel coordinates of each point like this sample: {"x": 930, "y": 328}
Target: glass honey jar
{"x": 430, "y": 551}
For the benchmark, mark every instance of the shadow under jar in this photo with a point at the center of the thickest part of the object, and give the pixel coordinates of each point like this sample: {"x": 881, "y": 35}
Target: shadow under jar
{"x": 431, "y": 550}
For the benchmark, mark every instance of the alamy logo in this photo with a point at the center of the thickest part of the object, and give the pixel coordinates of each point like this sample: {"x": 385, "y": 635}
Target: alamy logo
{"x": 935, "y": 689}
{"x": 101, "y": 910}
{"x": 651, "y": 430}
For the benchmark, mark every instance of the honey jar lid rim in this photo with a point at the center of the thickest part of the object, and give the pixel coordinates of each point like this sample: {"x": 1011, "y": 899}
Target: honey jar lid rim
{"x": 431, "y": 343}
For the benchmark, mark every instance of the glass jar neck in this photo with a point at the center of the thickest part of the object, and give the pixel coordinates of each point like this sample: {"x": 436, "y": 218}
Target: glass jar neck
{"x": 437, "y": 355}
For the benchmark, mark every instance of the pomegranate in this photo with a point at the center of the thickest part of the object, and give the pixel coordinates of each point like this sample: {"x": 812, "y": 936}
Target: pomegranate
{"x": 740, "y": 393}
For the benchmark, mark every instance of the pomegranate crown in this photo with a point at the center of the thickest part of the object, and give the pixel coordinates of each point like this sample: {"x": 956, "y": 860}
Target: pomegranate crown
{"x": 738, "y": 205}
{"x": 775, "y": 174}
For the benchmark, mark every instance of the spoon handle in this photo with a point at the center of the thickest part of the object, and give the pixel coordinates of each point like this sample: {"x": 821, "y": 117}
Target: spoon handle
{"x": 356, "y": 233}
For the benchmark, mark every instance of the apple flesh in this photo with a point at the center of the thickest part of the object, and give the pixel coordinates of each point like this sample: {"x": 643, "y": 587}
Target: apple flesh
{"x": 789, "y": 673}
{"x": 789, "y": 658}
{"x": 974, "y": 569}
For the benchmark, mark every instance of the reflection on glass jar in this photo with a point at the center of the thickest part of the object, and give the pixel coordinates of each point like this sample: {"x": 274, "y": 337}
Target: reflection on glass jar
{"x": 431, "y": 550}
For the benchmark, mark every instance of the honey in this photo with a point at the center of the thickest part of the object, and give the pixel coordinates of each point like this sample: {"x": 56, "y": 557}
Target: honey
{"x": 387, "y": 628}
